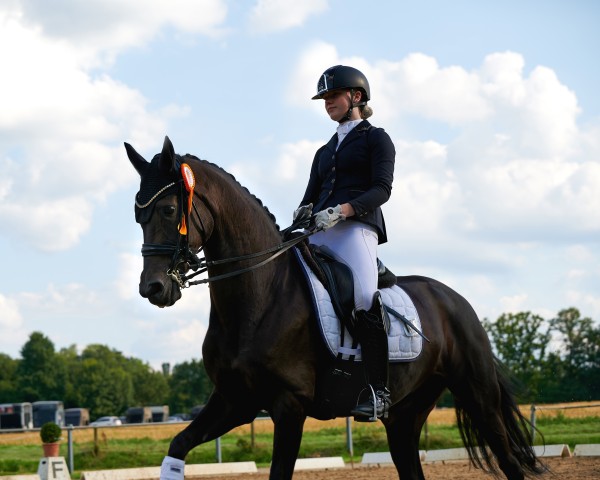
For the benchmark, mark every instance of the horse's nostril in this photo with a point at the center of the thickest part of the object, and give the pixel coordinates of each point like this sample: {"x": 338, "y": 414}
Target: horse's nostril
{"x": 151, "y": 289}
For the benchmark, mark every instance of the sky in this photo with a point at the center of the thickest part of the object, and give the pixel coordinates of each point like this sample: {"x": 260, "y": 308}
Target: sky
{"x": 493, "y": 108}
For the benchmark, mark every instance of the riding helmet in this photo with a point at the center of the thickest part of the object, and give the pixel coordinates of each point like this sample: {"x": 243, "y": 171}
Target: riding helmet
{"x": 343, "y": 77}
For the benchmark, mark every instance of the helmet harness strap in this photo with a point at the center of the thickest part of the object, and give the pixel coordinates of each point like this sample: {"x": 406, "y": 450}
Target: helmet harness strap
{"x": 350, "y": 108}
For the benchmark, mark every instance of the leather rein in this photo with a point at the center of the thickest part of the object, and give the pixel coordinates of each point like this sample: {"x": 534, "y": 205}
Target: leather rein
{"x": 182, "y": 254}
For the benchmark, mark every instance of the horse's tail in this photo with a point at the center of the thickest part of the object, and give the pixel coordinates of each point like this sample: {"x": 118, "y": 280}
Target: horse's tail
{"x": 517, "y": 427}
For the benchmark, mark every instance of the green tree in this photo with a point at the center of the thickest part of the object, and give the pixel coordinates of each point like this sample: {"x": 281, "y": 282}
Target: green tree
{"x": 520, "y": 341}
{"x": 578, "y": 355}
{"x": 190, "y": 386}
{"x": 8, "y": 384}
{"x": 104, "y": 384}
{"x": 41, "y": 373}
{"x": 72, "y": 362}
{"x": 149, "y": 386}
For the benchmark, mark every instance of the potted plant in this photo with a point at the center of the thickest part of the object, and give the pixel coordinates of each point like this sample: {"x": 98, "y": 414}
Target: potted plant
{"x": 50, "y": 435}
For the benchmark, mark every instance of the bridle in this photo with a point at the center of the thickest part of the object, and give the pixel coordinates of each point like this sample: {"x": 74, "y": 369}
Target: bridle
{"x": 182, "y": 255}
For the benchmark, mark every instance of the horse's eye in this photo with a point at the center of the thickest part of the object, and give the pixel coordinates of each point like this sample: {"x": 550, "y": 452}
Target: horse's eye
{"x": 169, "y": 210}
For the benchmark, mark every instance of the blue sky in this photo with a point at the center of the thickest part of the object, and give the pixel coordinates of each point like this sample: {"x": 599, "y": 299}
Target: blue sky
{"x": 492, "y": 106}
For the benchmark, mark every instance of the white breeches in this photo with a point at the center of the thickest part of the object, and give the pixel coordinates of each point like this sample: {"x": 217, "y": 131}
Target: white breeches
{"x": 354, "y": 244}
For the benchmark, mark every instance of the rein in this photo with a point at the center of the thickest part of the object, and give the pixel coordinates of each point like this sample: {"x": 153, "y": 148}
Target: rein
{"x": 182, "y": 254}
{"x": 183, "y": 280}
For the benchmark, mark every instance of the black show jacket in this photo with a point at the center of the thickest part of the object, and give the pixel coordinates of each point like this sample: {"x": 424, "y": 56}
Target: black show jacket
{"x": 360, "y": 173}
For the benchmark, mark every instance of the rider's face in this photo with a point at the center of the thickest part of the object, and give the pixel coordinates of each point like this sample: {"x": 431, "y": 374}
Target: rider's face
{"x": 337, "y": 103}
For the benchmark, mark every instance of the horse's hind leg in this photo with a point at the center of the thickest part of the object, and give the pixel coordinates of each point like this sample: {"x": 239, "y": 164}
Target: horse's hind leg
{"x": 403, "y": 428}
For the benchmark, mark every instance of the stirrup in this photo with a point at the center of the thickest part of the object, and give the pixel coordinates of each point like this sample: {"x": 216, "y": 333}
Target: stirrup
{"x": 372, "y": 417}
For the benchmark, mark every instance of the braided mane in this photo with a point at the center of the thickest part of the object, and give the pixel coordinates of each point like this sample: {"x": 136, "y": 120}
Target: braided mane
{"x": 258, "y": 200}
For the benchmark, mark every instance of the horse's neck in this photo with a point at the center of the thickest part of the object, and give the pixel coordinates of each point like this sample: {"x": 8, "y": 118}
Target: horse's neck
{"x": 244, "y": 232}
{"x": 242, "y": 226}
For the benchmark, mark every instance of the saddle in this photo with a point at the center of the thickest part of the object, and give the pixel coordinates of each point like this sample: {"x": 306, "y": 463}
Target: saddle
{"x": 341, "y": 379}
{"x": 337, "y": 279}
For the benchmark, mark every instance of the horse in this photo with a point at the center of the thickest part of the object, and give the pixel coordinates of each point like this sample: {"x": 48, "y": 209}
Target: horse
{"x": 263, "y": 350}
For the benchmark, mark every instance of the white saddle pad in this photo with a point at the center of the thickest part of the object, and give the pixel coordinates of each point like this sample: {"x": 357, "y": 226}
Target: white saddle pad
{"x": 404, "y": 343}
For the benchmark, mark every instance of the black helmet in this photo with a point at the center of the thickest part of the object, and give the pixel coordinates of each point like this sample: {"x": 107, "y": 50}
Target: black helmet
{"x": 343, "y": 77}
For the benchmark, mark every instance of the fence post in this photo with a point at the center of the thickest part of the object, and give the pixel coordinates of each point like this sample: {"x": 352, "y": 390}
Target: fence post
{"x": 349, "y": 443}
{"x": 252, "y": 440}
{"x": 532, "y": 421}
{"x": 218, "y": 445}
{"x": 96, "y": 447}
{"x": 70, "y": 447}
{"x": 427, "y": 434}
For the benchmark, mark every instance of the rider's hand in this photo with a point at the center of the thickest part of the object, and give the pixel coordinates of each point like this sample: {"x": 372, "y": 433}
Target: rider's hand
{"x": 329, "y": 217}
{"x": 302, "y": 216}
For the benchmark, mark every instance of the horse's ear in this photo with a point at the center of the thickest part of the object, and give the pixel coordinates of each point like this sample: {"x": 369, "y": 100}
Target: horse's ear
{"x": 136, "y": 159}
{"x": 167, "y": 157}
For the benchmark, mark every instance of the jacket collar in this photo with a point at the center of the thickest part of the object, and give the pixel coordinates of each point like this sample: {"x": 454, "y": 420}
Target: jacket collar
{"x": 355, "y": 133}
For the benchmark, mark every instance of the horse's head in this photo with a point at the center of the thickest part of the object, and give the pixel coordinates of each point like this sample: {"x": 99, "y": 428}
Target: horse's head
{"x": 163, "y": 208}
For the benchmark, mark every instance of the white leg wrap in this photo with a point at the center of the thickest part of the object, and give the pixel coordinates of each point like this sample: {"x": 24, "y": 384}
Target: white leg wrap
{"x": 172, "y": 469}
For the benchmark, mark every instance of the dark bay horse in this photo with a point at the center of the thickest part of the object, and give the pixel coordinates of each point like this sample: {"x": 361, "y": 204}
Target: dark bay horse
{"x": 263, "y": 349}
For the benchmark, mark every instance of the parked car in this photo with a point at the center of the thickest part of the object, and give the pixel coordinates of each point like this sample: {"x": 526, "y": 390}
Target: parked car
{"x": 106, "y": 422}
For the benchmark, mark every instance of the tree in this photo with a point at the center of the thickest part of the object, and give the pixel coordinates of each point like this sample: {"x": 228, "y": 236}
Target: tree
{"x": 190, "y": 385}
{"x": 149, "y": 386}
{"x": 41, "y": 374}
{"x": 579, "y": 355}
{"x": 104, "y": 384}
{"x": 8, "y": 384}
{"x": 71, "y": 360}
{"x": 520, "y": 341}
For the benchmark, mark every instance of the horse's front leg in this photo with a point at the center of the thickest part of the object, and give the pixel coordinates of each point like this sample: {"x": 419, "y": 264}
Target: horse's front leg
{"x": 288, "y": 417}
{"x": 218, "y": 417}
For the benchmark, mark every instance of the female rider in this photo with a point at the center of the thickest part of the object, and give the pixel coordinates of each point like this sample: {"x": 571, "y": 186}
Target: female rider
{"x": 351, "y": 177}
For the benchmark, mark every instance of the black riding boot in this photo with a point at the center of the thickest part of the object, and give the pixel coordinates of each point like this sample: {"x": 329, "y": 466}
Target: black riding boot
{"x": 371, "y": 329}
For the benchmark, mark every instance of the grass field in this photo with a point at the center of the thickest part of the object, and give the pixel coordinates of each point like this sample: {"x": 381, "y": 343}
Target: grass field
{"x": 135, "y": 446}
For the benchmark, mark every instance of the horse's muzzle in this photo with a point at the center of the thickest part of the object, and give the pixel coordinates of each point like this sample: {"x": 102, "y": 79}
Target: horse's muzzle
{"x": 159, "y": 293}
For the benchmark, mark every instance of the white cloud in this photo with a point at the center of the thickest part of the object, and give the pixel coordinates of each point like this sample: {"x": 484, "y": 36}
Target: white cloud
{"x": 102, "y": 28}
{"x": 513, "y": 303}
{"x": 50, "y": 225}
{"x": 128, "y": 278}
{"x": 67, "y": 126}
{"x": 519, "y": 166}
{"x": 295, "y": 159}
{"x": 12, "y": 329}
{"x": 62, "y": 301}
{"x": 11, "y": 318}
{"x": 302, "y": 83}
{"x": 580, "y": 254}
{"x": 173, "y": 334}
{"x": 418, "y": 85}
{"x": 276, "y": 15}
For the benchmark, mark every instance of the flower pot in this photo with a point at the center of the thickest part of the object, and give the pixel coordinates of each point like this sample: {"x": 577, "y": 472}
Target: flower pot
{"x": 51, "y": 449}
